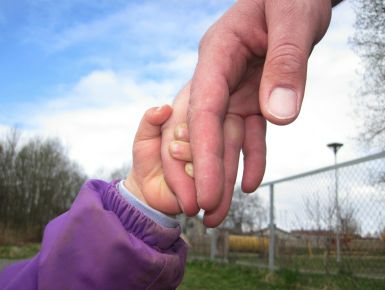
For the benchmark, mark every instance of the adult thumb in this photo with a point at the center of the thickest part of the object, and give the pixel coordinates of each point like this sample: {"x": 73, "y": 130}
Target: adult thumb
{"x": 293, "y": 28}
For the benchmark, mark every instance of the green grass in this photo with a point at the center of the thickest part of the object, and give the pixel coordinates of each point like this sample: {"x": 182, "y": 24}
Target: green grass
{"x": 207, "y": 275}
{"x": 360, "y": 265}
{"x": 213, "y": 276}
{"x": 364, "y": 266}
{"x": 19, "y": 252}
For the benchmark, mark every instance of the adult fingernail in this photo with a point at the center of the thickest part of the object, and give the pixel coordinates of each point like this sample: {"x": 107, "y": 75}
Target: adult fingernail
{"x": 283, "y": 103}
{"x": 189, "y": 168}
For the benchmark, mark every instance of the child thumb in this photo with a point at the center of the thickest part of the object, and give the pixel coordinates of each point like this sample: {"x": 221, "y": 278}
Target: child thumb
{"x": 150, "y": 125}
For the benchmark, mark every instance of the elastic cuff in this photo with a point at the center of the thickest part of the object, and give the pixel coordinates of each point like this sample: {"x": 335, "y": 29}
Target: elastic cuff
{"x": 155, "y": 215}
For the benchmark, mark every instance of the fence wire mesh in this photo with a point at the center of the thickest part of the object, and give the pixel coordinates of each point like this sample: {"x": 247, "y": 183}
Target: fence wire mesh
{"x": 333, "y": 221}
{"x": 330, "y": 221}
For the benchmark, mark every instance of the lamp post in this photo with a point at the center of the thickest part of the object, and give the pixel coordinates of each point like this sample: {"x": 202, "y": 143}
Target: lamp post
{"x": 335, "y": 147}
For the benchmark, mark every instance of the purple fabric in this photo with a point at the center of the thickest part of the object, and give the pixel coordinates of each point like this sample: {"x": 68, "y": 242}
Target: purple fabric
{"x": 102, "y": 242}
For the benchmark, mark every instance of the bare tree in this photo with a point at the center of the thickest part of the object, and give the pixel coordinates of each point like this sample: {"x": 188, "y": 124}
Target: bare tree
{"x": 349, "y": 224}
{"x": 369, "y": 43}
{"x": 321, "y": 210}
{"x": 120, "y": 173}
{"x": 315, "y": 210}
{"x": 37, "y": 182}
{"x": 8, "y": 154}
{"x": 246, "y": 213}
{"x": 322, "y": 213}
{"x": 382, "y": 234}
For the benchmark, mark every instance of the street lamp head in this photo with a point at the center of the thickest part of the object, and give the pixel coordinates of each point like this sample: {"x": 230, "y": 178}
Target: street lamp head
{"x": 335, "y": 147}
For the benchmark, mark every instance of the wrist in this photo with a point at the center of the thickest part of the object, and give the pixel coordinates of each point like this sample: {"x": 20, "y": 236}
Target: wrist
{"x": 150, "y": 212}
{"x": 132, "y": 186}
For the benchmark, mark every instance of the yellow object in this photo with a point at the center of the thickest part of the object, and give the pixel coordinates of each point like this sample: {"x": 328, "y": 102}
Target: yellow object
{"x": 309, "y": 248}
{"x": 382, "y": 237}
{"x": 248, "y": 243}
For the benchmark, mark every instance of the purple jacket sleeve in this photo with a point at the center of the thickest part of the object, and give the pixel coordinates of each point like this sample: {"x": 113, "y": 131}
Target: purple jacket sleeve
{"x": 102, "y": 242}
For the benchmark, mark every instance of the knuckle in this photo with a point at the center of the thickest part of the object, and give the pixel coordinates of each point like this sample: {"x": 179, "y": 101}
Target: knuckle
{"x": 287, "y": 58}
{"x": 206, "y": 38}
{"x": 214, "y": 37}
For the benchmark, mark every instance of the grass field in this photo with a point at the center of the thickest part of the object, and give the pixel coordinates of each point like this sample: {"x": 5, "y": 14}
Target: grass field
{"x": 213, "y": 276}
{"x": 370, "y": 266}
{"x": 19, "y": 252}
{"x": 204, "y": 275}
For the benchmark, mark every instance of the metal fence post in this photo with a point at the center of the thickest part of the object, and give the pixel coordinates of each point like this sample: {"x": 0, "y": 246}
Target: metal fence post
{"x": 272, "y": 230}
{"x": 213, "y": 243}
{"x": 338, "y": 213}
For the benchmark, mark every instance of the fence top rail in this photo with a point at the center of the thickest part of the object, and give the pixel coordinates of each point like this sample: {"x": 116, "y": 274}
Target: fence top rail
{"x": 327, "y": 168}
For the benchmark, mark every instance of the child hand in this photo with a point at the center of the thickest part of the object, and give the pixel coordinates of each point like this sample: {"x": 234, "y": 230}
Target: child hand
{"x": 146, "y": 179}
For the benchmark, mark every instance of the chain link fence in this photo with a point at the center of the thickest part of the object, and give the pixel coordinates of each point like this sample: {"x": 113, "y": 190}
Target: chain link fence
{"x": 330, "y": 221}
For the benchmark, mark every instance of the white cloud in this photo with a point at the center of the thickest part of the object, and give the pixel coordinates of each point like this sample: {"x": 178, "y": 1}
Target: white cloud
{"x": 99, "y": 88}
{"x": 96, "y": 138}
{"x": 3, "y": 129}
{"x": 180, "y": 65}
{"x": 98, "y": 118}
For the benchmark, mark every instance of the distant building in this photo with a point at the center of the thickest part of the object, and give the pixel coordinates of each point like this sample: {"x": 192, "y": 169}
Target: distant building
{"x": 313, "y": 234}
{"x": 279, "y": 233}
{"x": 322, "y": 235}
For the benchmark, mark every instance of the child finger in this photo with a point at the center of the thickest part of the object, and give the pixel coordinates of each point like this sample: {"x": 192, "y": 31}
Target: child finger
{"x": 189, "y": 169}
{"x": 180, "y": 150}
{"x": 181, "y": 132}
{"x": 150, "y": 126}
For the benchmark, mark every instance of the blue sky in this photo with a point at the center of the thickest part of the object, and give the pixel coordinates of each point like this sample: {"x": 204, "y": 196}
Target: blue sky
{"x": 47, "y": 46}
{"x": 85, "y": 71}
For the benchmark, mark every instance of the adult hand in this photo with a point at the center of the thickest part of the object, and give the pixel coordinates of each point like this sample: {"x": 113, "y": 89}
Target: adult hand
{"x": 174, "y": 170}
{"x": 252, "y": 66}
